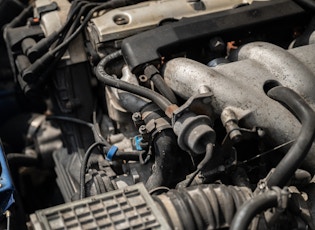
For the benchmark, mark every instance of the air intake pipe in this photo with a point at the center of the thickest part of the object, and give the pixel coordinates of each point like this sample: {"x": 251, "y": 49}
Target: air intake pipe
{"x": 202, "y": 207}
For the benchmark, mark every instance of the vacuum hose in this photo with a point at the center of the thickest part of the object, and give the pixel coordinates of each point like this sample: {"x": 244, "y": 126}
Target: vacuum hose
{"x": 104, "y": 77}
{"x": 295, "y": 156}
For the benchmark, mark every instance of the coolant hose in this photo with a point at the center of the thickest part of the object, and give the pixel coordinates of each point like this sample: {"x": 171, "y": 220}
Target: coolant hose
{"x": 165, "y": 149}
{"x": 252, "y": 207}
{"x": 299, "y": 150}
{"x": 131, "y": 102}
{"x": 104, "y": 77}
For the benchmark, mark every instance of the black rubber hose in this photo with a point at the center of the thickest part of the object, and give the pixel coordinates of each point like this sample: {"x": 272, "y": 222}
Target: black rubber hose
{"x": 299, "y": 150}
{"x": 251, "y": 208}
{"x": 107, "y": 5}
{"x": 78, "y": 12}
{"x": 84, "y": 166}
{"x": 43, "y": 45}
{"x": 128, "y": 156}
{"x": 17, "y": 160}
{"x": 39, "y": 65}
{"x": 104, "y": 77}
{"x": 205, "y": 160}
{"x": 153, "y": 74}
{"x": 165, "y": 149}
{"x": 307, "y": 4}
{"x": 131, "y": 102}
{"x": 163, "y": 88}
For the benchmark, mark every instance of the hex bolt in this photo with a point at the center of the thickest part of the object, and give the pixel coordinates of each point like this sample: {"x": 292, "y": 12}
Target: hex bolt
{"x": 136, "y": 116}
{"x": 137, "y": 119}
{"x": 230, "y": 122}
{"x": 142, "y": 129}
{"x": 143, "y": 132}
{"x": 121, "y": 19}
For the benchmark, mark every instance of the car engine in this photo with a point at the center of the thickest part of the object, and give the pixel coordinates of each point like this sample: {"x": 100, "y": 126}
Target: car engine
{"x": 157, "y": 114}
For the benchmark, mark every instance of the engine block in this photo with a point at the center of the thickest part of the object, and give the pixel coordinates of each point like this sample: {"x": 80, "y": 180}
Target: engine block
{"x": 157, "y": 114}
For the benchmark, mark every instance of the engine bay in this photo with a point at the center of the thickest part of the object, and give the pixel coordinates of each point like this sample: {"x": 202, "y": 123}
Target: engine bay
{"x": 160, "y": 114}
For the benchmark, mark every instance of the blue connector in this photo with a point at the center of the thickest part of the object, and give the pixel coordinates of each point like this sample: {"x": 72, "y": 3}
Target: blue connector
{"x": 6, "y": 184}
{"x": 137, "y": 141}
{"x": 111, "y": 153}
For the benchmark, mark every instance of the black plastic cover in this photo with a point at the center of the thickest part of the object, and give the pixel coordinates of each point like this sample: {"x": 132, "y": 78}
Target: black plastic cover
{"x": 147, "y": 46}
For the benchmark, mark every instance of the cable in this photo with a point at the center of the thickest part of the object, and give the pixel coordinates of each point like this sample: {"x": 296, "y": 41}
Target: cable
{"x": 84, "y": 166}
{"x": 96, "y": 133}
{"x": 43, "y": 45}
{"x": 104, "y": 77}
{"x": 206, "y": 159}
{"x": 265, "y": 153}
{"x": 106, "y": 5}
{"x": 70, "y": 119}
{"x": 75, "y": 13}
{"x": 45, "y": 76}
{"x": 31, "y": 73}
{"x": 97, "y": 129}
{"x": 71, "y": 27}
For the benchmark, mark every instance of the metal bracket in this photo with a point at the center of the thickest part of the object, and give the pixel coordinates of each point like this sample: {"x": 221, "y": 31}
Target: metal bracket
{"x": 47, "y": 8}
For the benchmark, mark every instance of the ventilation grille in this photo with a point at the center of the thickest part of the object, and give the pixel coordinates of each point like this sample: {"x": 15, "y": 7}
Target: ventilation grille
{"x": 129, "y": 208}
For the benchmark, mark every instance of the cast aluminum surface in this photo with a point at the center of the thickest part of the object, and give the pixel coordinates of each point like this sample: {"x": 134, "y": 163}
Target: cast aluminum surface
{"x": 53, "y": 21}
{"x": 125, "y": 21}
{"x": 240, "y": 86}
